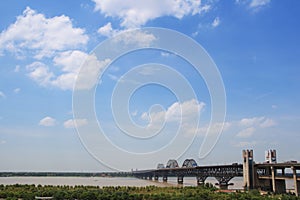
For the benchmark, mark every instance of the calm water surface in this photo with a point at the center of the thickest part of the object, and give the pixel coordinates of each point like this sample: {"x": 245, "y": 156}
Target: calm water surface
{"x": 115, "y": 181}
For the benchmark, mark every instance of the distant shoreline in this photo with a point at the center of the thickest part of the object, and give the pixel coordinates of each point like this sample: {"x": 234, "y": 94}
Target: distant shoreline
{"x": 66, "y": 174}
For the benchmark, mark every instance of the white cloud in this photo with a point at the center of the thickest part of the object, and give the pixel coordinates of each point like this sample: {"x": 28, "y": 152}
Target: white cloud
{"x": 254, "y": 4}
{"x": 17, "y": 68}
{"x": 268, "y": 123}
{"x": 216, "y": 22}
{"x": 42, "y": 36}
{"x": 251, "y": 121}
{"x": 135, "y": 38}
{"x": 185, "y": 112}
{"x": 137, "y": 13}
{"x": 2, "y": 95}
{"x": 69, "y": 63}
{"x": 107, "y": 30}
{"x": 259, "y": 3}
{"x": 39, "y": 72}
{"x": 2, "y": 142}
{"x": 47, "y": 121}
{"x": 72, "y": 123}
{"x": 248, "y": 132}
{"x": 56, "y": 38}
{"x": 90, "y": 72}
{"x": 257, "y": 122}
{"x": 17, "y": 90}
{"x": 250, "y": 125}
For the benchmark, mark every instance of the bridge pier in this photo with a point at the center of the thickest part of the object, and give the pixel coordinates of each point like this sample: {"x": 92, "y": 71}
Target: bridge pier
{"x": 296, "y": 183}
{"x": 180, "y": 179}
{"x": 278, "y": 186}
{"x": 248, "y": 169}
{"x": 223, "y": 181}
{"x": 165, "y": 178}
{"x": 201, "y": 180}
{"x": 156, "y": 178}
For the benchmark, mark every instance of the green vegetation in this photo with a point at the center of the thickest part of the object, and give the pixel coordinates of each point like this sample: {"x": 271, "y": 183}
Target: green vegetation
{"x": 28, "y": 192}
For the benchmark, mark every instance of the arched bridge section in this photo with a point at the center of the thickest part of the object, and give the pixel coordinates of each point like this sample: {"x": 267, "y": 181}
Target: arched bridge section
{"x": 160, "y": 166}
{"x": 189, "y": 163}
{"x": 172, "y": 164}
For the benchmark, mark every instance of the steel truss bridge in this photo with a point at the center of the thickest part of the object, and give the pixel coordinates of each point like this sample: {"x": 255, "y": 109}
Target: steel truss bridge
{"x": 222, "y": 173}
{"x": 268, "y": 176}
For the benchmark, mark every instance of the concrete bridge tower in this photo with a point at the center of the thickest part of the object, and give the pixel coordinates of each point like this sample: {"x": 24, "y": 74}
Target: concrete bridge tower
{"x": 248, "y": 169}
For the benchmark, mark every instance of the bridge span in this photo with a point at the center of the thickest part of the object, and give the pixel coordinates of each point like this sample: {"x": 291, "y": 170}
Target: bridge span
{"x": 222, "y": 173}
{"x": 267, "y": 176}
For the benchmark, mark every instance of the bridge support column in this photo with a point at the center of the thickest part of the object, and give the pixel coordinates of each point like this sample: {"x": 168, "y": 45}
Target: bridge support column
{"x": 165, "y": 179}
{"x": 156, "y": 178}
{"x": 180, "y": 179}
{"x": 248, "y": 169}
{"x": 223, "y": 186}
{"x": 150, "y": 178}
{"x": 224, "y": 181}
{"x": 296, "y": 183}
{"x": 201, "y": 180}
{"x": 278, "y": 186}
{"x": 273, "y": 179}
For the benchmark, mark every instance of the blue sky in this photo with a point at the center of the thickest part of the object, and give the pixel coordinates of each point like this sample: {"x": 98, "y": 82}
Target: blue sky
{"x": 254, "y": 44}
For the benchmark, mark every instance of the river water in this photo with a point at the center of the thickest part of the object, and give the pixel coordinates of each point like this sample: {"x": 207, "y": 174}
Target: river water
{"x": 116, "y": 181}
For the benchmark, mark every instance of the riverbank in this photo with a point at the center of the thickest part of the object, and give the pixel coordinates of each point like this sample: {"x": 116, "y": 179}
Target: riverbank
{"x": 28, "y": 192}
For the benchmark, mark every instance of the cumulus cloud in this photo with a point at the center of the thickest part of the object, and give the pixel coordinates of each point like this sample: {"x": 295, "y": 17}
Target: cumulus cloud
{"x": 68, "y": 63}
{"x": 251, "y": 121}
{"x": 246, "y": 132}
{"x": 135, "y": 38}
{"x": 250, "y": 125}
{"x": 257, "y": 121}
{"x": 107, "y": 30}
{"x": 179, "y": 112}
{"x": 42, "y": 36}
{"x": 254, "y": 4}
{"x": 47, "y": 121}
{"x": 89, "y": 74}
{"x": 216, "y": 22}
{"x": 40, "y": 73}
{"x": 137, "y": 13}
{"x": 72, "y": 123}
{"x": 268, "y": 123}
{"x": 56, "y": 38}
{"x": 258, "y": 3}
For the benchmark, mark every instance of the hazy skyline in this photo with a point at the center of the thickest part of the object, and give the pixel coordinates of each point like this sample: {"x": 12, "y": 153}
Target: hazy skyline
{"x": 254, "y": 44}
